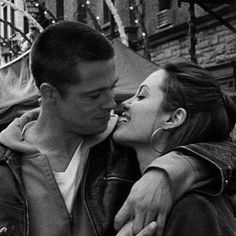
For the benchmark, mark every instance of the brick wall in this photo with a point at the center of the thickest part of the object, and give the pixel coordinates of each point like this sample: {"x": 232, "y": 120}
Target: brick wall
{"x": 214, "y": 45}
{"x": 170, "y": 50}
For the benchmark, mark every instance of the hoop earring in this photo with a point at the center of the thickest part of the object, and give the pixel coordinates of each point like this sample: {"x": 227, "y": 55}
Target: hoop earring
{"x": 152, "y": 137}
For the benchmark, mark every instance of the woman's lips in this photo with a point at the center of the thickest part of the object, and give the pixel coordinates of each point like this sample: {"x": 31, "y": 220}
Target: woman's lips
{"x": 124, "y": 117}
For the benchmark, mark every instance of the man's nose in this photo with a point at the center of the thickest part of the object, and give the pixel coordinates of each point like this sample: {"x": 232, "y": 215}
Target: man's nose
{"x": 110, "y": 102}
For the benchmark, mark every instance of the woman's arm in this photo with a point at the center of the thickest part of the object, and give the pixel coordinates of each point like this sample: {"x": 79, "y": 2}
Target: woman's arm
{"x": 204, "y": 167}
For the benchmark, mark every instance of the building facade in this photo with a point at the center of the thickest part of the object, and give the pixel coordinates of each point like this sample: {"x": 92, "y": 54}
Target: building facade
{"x": 160, "y": 30}
{"x": 164, "y": 28}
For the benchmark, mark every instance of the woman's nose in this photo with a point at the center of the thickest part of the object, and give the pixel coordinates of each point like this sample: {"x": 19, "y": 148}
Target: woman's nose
{"x": 125, "y": 105}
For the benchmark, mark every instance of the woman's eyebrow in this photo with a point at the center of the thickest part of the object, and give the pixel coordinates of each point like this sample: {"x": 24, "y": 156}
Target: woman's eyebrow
{"x": 144, "y": 86}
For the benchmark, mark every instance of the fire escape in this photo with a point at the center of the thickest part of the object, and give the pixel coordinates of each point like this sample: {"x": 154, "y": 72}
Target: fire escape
{"x": 192, "y": 27}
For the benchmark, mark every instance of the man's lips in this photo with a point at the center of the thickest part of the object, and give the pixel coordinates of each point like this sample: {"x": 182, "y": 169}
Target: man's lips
{"x": 107, "y": 117}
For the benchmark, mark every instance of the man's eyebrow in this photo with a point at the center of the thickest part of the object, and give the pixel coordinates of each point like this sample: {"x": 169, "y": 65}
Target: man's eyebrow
{"x": 115, "y": 82}
{"x": 102, "y": 88}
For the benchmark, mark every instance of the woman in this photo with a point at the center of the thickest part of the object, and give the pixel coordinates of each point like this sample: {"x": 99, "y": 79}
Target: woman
{"x": 174, "y": 107}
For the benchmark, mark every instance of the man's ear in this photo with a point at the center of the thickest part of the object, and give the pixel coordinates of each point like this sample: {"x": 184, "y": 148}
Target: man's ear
{"x": 176, "y": 119}
{"x": 48, "y": 91}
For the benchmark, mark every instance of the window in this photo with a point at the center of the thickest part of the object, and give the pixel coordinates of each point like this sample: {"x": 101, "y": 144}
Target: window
{"x": 165, "y": 16}
{"x": 106, "y": 13}
{"x": 60, "y": 9}
{"x": 164, "y": 4}
{"x": 12, "y": 18}
{"x": 5, "y": 33}
{"x": 26, "y": 25}
{"x": 82, "y": 11}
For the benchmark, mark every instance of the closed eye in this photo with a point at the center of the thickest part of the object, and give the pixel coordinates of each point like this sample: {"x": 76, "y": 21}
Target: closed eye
{"x": 94, "y": 96}
{"x": 140, "y": 97}
{"x": 114, "y": 85}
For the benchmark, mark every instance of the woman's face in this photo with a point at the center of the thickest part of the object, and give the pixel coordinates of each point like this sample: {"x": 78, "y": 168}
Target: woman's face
{"x": 142, "y": 113}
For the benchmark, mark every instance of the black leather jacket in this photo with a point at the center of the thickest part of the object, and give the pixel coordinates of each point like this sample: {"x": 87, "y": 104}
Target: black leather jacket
{"x": 109, "y": 174}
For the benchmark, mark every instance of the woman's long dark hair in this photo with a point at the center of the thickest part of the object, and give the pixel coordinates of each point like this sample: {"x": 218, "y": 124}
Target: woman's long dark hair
{"x": 211, "y": 114}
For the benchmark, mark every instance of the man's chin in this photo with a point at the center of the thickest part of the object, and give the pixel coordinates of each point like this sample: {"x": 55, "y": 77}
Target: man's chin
{"x": 99, "y": 131}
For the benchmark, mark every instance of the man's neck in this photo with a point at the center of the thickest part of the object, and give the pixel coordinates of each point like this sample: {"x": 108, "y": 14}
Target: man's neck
{"x": 50, "y": 139}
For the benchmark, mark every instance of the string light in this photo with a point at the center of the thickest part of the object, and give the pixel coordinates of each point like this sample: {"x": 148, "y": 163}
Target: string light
{"x": 47, "y": 14}
{"x": 138, "y": 18}
{"x": 132, "y": 8}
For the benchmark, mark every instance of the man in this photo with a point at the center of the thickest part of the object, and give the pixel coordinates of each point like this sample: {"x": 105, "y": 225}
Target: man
{"x": 61, "y": 174}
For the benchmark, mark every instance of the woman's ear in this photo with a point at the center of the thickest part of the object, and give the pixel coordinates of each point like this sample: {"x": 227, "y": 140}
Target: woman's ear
{"x": 176, "y": 119}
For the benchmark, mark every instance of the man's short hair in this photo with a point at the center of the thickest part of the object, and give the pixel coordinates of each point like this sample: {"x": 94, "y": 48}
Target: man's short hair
{"x": 59, "y": 48}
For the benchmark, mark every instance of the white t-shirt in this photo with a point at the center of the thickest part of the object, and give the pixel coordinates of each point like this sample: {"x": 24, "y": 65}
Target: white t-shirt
{"x": 68, "y": 181}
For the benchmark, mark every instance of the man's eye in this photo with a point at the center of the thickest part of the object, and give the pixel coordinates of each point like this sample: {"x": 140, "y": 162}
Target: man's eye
{"x": 114, "y": 86}
{"x": 94, "y": 96}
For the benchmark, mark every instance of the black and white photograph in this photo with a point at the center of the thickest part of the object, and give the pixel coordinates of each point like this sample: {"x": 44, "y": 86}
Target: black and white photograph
{"x": 117, "y": 117}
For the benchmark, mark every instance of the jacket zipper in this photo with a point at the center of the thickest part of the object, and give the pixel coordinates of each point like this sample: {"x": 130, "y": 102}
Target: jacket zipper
{"x": 12, "y": 168}
{"x": 118, "y": 179}
{"x": 71, "y": 223}
{"x": 83, "y": 195}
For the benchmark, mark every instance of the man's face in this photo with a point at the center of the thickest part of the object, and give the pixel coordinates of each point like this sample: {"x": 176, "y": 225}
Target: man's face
{"x": 85, "y": 110}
